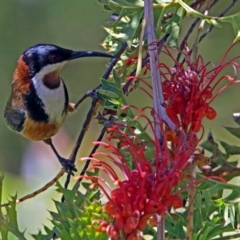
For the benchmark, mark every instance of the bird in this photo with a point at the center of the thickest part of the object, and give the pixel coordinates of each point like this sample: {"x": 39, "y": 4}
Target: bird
{"x": 39, "y": 101}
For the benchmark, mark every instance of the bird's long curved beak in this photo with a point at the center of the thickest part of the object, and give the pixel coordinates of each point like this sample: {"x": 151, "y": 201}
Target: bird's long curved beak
{"x": 81, "y": 54}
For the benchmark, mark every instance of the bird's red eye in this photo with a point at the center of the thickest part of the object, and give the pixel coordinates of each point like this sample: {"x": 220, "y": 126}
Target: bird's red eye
{"x": 53, "y": 58}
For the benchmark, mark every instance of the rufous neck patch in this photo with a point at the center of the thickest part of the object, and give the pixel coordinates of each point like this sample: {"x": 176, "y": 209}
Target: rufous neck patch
{"x": 21, "y": 78}
{"x": 22, "y": 71}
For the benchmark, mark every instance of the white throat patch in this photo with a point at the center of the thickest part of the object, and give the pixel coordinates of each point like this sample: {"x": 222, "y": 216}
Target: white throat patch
{"x": 53, "y": 99}
{"x": 50, "y": 68}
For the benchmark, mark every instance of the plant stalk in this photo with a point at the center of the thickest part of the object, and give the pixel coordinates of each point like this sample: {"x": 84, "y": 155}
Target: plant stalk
{"x": 191, "y": 198}
{"x": 158, "y": 99}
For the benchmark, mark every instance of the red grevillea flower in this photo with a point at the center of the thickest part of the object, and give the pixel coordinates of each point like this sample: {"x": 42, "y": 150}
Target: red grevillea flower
{"x": 150, "y": 187}
{"x": 190, "y": 88}
{"x": 146, "y": 191}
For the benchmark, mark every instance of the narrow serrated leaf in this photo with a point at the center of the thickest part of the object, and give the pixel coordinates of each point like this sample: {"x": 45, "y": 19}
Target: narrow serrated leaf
{"x": 234, "y": 131}
{"x": 230, "y": 149}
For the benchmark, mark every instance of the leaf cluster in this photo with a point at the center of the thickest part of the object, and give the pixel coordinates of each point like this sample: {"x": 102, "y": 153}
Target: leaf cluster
{"x": 73, "y": 218}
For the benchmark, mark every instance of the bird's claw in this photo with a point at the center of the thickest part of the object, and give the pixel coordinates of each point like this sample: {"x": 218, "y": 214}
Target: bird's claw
{"x": 68, "y": 166}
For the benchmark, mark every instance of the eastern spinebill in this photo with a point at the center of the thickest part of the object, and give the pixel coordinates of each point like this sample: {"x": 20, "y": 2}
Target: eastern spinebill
{"x": 39, "y": 103}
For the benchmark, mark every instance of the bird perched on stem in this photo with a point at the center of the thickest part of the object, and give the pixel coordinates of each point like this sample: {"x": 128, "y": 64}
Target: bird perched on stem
{"x": 39, "y": 103}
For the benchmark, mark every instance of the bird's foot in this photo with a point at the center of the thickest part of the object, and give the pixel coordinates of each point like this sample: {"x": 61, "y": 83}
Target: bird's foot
{"x": 68, "y": 165}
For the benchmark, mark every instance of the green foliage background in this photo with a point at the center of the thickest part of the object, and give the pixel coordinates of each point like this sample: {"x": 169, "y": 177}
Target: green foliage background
{"x": 74, "y": 24}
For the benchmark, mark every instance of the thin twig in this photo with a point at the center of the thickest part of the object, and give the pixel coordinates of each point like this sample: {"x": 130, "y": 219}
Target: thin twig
{"x": 144, "y": 62}
{"x": 192, "y": 190}
{"x": 115, "y": 60}
{"x": 78, "y": 143}
{"x": 196, "y": 42}
{"x": 42, "y": 189}
{"x": 140, "y": 47}
{"x": 90, "y": 93}
{"x": 197, "y": 3}
{"x": 221, "y": 15}
{"x": 189, "y": 32}
{"x": 191, "y": 199}
{"x": 91, "y": 111}
{"x": 211, "y": 27}
{"x": 100, "y": 137}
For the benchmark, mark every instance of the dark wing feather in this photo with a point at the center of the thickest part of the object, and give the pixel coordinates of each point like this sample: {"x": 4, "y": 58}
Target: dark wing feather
{"x": 15, "y": 118}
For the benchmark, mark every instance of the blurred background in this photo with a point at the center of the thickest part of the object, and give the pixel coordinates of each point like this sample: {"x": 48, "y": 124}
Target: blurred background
{"x": 76, "y": 25}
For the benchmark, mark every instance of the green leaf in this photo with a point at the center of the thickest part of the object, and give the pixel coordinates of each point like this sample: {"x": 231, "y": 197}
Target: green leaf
{"x": 209, "y": 144}
{"x": 130, "y": 27}
{"x": 230, "y": 150}
{"x": 234, "y": 20}
{"x": 213, "y": 231}
{"x": 234, "y": 131}
{"x": 73, "y": 219}
{"x": 203, "y": 234}
{"x": 232, "y": 214}
{"x": 215, "y": 23}
{"x": 9, "y": 221}
{"x": 172, "y": 27}
{"x": 113, "y": 87}
{"x": 219, "y": 202}
{"x": 65, "y": 235}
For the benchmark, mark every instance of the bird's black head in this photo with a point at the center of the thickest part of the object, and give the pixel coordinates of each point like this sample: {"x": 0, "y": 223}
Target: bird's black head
{"x": 51, "y": 57}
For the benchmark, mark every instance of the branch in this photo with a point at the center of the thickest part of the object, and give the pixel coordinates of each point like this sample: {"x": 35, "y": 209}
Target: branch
{"x": 158, "y": 99}
{"x": 100, "y": 137}
{"x": 189, "y": 32}
{"x": 40, "y": 190}
{"x": 90, "y": 113}
{"x": 221, "y": 15}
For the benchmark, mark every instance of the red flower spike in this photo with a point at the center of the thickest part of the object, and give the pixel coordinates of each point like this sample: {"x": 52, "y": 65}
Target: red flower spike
{"x": 189, "y": 90}
{"x": 146, "y": 190}
{"x": 141, "y": 194}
